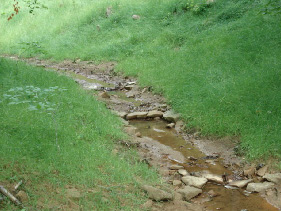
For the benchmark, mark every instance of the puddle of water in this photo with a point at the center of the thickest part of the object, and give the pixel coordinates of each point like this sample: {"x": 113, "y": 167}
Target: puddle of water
{"x": 228, "y": 199}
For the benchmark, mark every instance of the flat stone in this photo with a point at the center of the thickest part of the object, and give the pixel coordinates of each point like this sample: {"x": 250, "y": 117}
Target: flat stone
{"x": 170, "y": 116}
{"x": 157, "y": 194}
{"x": 22, "y": 196}
{"x": 155, "y": 113}
{"x": 176, "y": 167}
{"x": 104, "y": 95}
{"x": 240, "y": 183}
{"x": 276, "y": 178}
{"x": 259, "y": 187}
{"x": 189, "y": 192}
{"x": 213, "y": 178}
{"x": 177, "y": 183}
{"x": 136, "y": 115}
{"x": 183, "y": 172}
{"x": 197, "y": 182}
{"x": 261, "y": 172}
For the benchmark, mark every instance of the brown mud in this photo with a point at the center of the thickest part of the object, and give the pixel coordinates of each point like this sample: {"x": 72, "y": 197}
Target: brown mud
{"x": 161, "y": 146}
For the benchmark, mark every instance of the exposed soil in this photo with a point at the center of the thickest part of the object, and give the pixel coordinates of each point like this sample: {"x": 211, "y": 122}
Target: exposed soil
{"x": 162, "y": 147}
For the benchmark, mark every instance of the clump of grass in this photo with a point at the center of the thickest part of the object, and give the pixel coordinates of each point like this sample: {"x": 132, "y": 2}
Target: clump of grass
{"x": 54, "y": 135}
{"x": 218, "y": 63}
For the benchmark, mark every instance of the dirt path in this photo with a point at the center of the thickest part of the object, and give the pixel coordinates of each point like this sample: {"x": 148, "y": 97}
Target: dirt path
{"x": 161, "y": 139}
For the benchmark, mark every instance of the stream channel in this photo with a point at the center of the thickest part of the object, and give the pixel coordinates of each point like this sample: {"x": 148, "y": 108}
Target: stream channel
{"x": 160, "y": 138}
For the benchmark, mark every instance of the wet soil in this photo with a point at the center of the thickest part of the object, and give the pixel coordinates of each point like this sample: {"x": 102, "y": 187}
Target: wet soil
{"x": 162, "y": 147}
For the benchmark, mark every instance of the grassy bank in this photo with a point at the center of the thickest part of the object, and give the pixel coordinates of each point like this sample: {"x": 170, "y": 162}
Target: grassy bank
{"x": 55, "y": 137}
{"x": 218, "y": 64}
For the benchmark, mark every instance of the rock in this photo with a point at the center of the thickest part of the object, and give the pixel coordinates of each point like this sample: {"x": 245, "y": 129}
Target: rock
{"x": 197, "y": 182}
{"x": 176, "y": 167}
{"x": 73, "y": 193}
{"x": 22, "y": 196}
{"x": 104, "y": 95}
{"x": 250, "y": 172}
{"x": 121, "y": 114}
{"x": 157, "y": 118}
{"x": 147, "y": 204}
{"x": 136, "y": 17}
{"x": 240, "y": 183}
{"x": 157, "y": 194}
{"x": 212, "y": 193}
{"x": 183, "y": 172}
{"x": 259, "y": 187}
{"x": 189, "y": 192}
{"x": 276, "y": 178}
{"x": 176, "y": 183}
{"x": 171, "y": 125}
{"x": 155, "y": 113}
{"x": 138, "y": 134}
{"x": 131, "y": 130}
{"x": 129, "y": 87}
{"x": 170, "y": 116}
{"x": 261, "y": 172}
{"x": 136, "y": 115}
{"x": 213, "y": 178}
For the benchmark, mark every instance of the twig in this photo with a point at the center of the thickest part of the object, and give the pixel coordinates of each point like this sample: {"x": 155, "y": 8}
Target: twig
{"x": 18, "y": 185}
{"x": 10, "y": 196}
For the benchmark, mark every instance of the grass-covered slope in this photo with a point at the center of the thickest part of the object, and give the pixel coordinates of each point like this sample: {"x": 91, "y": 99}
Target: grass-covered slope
{"x": 54, "y": 136}
{"x": 218, "y": 64}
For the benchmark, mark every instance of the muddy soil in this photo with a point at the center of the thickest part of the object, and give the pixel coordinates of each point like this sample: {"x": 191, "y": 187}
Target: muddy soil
{"x": 163, "y": 146}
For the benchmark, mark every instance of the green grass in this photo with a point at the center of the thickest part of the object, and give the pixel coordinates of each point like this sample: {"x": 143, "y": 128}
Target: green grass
{"x": 86, "y": 132}
{"x": 219, "y": 64}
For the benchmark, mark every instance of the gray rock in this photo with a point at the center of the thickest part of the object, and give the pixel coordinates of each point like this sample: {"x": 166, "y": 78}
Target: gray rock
{"x": 189, "y": 192}
{"x": 136, "y": 115}
{"x": 259, "y": 187}
{"x": 170, "y": 116}
{"x": 197, "y": 182}
{"x": 261, "y": 172}
{"x": 136, "y": 17}
{"x": 240, "y": 183}
{"x": 157, "y": 194}
{"x": 276, "y": 178}
{"x": 176, "y": 167}
{"x": 213, "y": 178}
{"x": 155, "y": 113}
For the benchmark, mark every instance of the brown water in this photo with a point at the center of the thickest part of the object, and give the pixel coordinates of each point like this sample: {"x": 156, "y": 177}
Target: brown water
{"x": 228, "y": 199}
